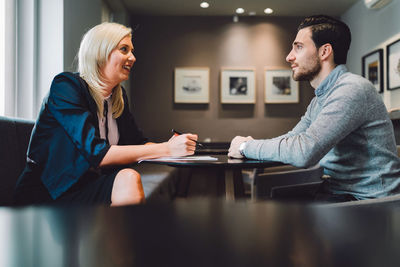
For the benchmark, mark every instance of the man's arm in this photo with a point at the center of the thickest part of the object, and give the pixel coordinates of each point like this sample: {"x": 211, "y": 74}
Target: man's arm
{"x": 301, "y": 126}
{"x": 342, "y": 113}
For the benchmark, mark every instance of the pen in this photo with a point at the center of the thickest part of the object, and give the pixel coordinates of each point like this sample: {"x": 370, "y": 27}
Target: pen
{"x": 179, "y": 133}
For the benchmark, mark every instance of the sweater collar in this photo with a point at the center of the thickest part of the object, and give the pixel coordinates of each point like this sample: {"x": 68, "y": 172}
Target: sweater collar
{"x": 330, "y": 80}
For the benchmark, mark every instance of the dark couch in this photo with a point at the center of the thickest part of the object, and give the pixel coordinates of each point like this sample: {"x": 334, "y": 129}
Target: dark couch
{"x": 159, "y": 182}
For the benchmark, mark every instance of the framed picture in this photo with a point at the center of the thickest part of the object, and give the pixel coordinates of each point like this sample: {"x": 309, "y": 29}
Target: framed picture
{"x": 280, "y": 88}
{"x": 238, "y": 86}
{"x": 372, "y": 68}
{"x": 393, "y": 65}
{"x": 192, "y": 85}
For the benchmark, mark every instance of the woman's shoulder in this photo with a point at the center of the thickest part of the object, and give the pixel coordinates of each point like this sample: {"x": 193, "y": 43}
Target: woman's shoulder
{"x": 68, "y": 85}
{"x": 70, "y": 80}
{"x": 68, "y": 77}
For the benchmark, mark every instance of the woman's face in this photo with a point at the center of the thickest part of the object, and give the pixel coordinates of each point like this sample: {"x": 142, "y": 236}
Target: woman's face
{"x": 119, "y": 63}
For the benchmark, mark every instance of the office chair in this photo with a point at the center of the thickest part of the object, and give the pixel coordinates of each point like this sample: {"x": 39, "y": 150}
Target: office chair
{"x": 386, "y": 202}
{"x": 276, "y": 182}
{"x": 383, "y": 202}
{"x": 283, "y": 181}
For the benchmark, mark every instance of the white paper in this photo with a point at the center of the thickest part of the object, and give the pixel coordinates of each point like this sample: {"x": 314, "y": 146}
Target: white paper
{"x": 194, "y": 158}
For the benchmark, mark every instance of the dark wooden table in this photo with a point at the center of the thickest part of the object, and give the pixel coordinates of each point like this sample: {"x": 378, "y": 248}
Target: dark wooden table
{"x": 231, "y": 168}
{"x": 200, "y": 233}
{"x": 214, "y": 148}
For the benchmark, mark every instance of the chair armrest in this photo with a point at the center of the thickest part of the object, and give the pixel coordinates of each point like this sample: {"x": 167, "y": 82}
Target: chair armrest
{"x": 264, "y": 183}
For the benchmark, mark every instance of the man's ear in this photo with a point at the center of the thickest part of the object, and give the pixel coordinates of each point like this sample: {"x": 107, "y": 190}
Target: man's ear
{"x": 325, "y": 51}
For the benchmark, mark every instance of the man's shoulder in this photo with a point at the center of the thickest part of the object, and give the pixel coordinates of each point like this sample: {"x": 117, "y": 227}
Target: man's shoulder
{"x": 354, "y": 79}
{"x": 354, "y": 84}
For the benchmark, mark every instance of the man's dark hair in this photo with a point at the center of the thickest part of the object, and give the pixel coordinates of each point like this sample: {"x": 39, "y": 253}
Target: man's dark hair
{"x": 325, "y": 30}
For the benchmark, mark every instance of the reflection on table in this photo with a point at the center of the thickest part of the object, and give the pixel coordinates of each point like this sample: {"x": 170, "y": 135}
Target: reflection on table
{"x": 200, "y": 233}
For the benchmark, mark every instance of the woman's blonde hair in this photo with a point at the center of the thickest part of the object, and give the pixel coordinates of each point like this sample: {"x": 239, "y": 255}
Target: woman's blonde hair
{"x": 95, "y": 48}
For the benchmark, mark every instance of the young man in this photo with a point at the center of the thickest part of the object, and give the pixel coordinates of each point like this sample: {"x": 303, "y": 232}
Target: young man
{"x": 346, "y": 127}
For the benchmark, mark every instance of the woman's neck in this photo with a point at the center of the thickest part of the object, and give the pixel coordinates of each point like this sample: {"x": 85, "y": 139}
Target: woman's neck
{"x": 108, "y": 89}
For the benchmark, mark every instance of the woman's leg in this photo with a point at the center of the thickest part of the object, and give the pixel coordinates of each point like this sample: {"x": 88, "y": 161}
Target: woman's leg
{"x": 127, "y": 188}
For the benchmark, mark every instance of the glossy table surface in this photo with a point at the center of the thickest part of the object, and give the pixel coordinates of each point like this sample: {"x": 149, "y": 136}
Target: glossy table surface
{"x": 212, "y": 151}
{"x": 215, "y": 148}
{"x": 202, "y": 232}
{"x": 223, "y": 161}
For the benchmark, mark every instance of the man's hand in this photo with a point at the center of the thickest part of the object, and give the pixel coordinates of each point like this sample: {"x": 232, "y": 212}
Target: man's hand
{"x": 235, "y": 144}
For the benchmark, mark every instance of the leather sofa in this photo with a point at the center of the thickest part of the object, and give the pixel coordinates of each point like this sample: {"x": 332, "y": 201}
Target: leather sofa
{"x": 159, "y": 181}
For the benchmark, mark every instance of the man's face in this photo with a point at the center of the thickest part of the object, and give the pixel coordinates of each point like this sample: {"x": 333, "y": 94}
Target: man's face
{"x": 304, "y": 58}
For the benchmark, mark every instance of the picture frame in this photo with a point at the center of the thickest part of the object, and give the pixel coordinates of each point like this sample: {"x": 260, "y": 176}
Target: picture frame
{"x": 393, "y": 65}
{"x": 372, "y": 68}
{"x": 192, "y": 85}
{"x": 238, "y": 86}
{"x": 280, "y": 88}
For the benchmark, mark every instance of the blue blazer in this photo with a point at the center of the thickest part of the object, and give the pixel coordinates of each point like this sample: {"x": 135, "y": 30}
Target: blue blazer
{"x": 65, "y": 141}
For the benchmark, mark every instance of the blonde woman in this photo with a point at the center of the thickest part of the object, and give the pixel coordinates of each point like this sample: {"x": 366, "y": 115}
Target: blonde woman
{"x": 85, "y": 133}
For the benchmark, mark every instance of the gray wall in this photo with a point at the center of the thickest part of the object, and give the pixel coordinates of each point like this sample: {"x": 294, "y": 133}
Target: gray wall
{"x": 164, "y": 43}
{"x": 79, "y": 17}
{"x": 50, "y": 41}
{"x": 373, "y": 29}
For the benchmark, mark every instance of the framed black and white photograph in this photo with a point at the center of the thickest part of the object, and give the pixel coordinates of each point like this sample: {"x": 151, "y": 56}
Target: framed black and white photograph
{"x": 393, "y": 65}
{"x": 192, "y": 85}
{"x": 372, "y": 68}
{"x": 280, "y": 88}
{"x": 238, "y": 86}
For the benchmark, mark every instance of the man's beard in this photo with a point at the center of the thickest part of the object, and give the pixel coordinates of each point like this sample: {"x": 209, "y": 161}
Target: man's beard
{"x": 310, "y": 73}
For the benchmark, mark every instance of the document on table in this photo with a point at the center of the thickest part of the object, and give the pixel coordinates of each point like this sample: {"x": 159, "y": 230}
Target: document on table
{"x": 195, "y": 158}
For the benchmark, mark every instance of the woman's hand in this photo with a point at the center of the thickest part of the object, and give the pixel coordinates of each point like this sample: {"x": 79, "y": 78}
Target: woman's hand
{"x": 182, "y": 145}
{"x": 179, "y": 145}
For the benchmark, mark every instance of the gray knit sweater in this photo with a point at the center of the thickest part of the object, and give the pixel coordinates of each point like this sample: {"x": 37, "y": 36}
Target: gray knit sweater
{"x": 346, "y": 128}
